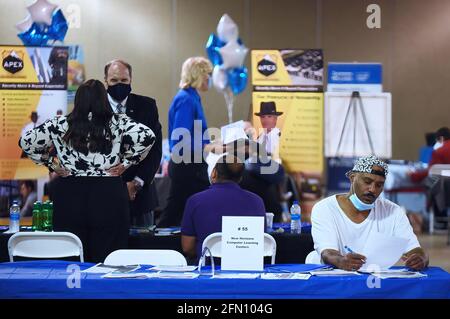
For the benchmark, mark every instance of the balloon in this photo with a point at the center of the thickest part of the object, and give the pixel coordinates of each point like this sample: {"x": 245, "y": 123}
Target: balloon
{"x": 237, "y": 79}
{"x": 59, "y": 26}
{"x": 41, "y": 11}
{"x": 233, "y": 54}
{"x": 35, "y": 36}
{"x": 212, "y": 49}
{"x": 227, "y": 30}
{"x": 219, "y": 77}
{"x": 25, "y": 24}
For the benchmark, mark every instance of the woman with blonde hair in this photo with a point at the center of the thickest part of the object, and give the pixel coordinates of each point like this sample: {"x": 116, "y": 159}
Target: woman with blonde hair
{"x": 187, "y": 169}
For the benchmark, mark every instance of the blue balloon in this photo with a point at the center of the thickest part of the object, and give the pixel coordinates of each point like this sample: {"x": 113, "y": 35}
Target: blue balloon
{"x": 36, "y": 35}
{"x": 212, "y": 49}
{"x": 237, "y": 79}
{"x": 40, "y": 34}
{"x": 59, "y": 26}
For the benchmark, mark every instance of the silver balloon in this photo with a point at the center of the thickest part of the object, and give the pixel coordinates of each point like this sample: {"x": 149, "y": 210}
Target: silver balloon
{"x": 233, "y": 54}
{"x": 25, "y": 24}
{"x": 219, "y": 77}
{"x": 227, "y": 30}
{"x": 41, "y": 11}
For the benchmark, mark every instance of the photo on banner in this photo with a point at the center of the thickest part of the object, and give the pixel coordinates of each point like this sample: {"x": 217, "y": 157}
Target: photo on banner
{"x": 299, "y": 70}
{"x": 33, "y": 88}
{"x": 299, "y": 126}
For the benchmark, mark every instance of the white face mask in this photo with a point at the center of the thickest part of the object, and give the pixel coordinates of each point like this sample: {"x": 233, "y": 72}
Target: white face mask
{"x": 437, "y": 145}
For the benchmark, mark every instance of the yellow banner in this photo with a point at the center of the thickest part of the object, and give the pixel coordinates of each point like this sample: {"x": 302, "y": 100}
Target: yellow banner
{"x": 33, "y": 83}
{"x": 300, "y": 126}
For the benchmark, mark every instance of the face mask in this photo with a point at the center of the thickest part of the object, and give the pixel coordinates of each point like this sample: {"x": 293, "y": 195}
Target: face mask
{"x": 119, "y": 91}
{"x": 360, "y": 205}
{"x": 437, "y": 145}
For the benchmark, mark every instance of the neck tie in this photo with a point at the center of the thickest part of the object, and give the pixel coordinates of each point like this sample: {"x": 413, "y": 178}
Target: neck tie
{"x": 120, "y": 108}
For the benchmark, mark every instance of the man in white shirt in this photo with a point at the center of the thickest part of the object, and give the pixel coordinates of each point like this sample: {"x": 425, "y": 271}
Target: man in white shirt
{"x": 347, "y": 220}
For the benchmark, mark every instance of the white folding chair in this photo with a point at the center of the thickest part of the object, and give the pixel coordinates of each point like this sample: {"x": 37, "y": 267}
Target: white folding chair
{"x": 45, "y": 245}
{"x": 214, "y": 243}
{"x": 156, "y": 257}
{"x": 313, "y": 258}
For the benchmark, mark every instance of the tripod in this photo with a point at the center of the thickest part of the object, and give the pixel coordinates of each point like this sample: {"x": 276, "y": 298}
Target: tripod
{"x": 356, "y": 97}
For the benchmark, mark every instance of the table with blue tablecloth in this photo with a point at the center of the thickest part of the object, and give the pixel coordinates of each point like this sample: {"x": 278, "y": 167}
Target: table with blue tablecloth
{"x": 52, "y": 279}
{"x": 291, "y": 248}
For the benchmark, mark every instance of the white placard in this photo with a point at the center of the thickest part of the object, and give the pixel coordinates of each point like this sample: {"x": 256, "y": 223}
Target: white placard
{"x": 242, "y": 243}
{"x": 376, "y": 108}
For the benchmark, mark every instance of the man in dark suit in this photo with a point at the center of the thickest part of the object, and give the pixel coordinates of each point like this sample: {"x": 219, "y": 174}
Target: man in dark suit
{"x": 142, "y": 109}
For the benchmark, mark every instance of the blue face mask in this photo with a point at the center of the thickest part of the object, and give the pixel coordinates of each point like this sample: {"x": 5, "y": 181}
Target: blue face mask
{"x": 360, "y": 205}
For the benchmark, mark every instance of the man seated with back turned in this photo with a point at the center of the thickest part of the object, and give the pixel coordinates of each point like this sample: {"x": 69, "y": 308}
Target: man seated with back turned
{"x": 349, "y": 219}
{"x": 203, "y": 212}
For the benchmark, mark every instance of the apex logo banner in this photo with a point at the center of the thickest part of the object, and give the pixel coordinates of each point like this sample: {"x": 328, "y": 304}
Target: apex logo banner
{"x": 12, "y": 61}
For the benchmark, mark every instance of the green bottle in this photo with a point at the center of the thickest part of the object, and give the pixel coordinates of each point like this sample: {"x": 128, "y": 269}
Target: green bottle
{"x": 47, "y": 216}
{"x": 37, "y": 216}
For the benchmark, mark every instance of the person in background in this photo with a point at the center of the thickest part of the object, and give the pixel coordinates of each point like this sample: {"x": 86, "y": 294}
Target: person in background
{"x": 204, "y": 211}
{"x": 187, "y": 168}
{"x": 440, "y": 154}
{"x": 426, "y": 150}
{"x": 29, "y": 196}
{"x": 348, "y": 220}
{"x": 142, "y": 109}
{"x": 93, "y": 148}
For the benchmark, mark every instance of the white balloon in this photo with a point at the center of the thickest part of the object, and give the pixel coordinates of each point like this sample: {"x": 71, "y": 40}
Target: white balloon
{"x": 25, "y": 24}
{"x": 227, "y": 30}
{"x": 233, "y": 54}
{"x": 41, "y": 11}
{"x": 220, "y": 79}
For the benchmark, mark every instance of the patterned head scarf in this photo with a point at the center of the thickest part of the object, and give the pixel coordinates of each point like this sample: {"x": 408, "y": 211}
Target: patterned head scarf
{"x": 366, "y": 164}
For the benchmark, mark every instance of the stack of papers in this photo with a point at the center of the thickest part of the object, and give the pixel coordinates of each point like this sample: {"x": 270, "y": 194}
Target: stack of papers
{"x": 141, "y": 275}
{"x": 167, "y": 231}
{"x": 105, "y": 269}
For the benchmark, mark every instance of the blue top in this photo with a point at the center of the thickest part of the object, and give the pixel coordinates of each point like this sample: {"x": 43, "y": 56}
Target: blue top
{"x": 203, "y": 212}
{"x": 186, "y": 108}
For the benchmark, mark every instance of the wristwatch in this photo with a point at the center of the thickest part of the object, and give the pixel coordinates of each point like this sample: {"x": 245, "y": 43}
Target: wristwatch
{"x": 137, "y": 185}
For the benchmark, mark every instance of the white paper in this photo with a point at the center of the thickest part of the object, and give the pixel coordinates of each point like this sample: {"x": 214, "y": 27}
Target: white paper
{"x": 243, "y": 243}
{"x": 275, "y": 276}
{"x": 232, "y": 132}
{"x": 333, "y": 272}
{"x": 137, "y": 275}
{"x": 236, "y": 276}
{"x": 382, "y": 251}
{"x": 174, "y": 268}
{"x": 175, "y": 275}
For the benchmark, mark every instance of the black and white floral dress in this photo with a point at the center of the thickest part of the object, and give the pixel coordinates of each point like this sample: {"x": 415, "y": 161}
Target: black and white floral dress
{"x": 131, "y": 142}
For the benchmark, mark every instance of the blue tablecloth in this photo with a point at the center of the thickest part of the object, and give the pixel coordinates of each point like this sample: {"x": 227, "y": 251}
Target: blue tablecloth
{"x": 48, "y": 279}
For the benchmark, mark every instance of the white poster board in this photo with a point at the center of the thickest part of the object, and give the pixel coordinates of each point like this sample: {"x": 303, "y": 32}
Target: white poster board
{"x": 354, "y": 140}
{"x": 242, "y": 243}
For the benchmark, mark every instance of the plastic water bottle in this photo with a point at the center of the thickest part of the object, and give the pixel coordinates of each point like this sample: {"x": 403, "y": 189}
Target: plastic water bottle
{"x": 296, "y": 220}
{"x": 14, "y": 218}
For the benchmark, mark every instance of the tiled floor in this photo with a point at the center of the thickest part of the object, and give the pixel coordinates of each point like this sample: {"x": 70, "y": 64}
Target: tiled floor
{"x": 437, "y": 248}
